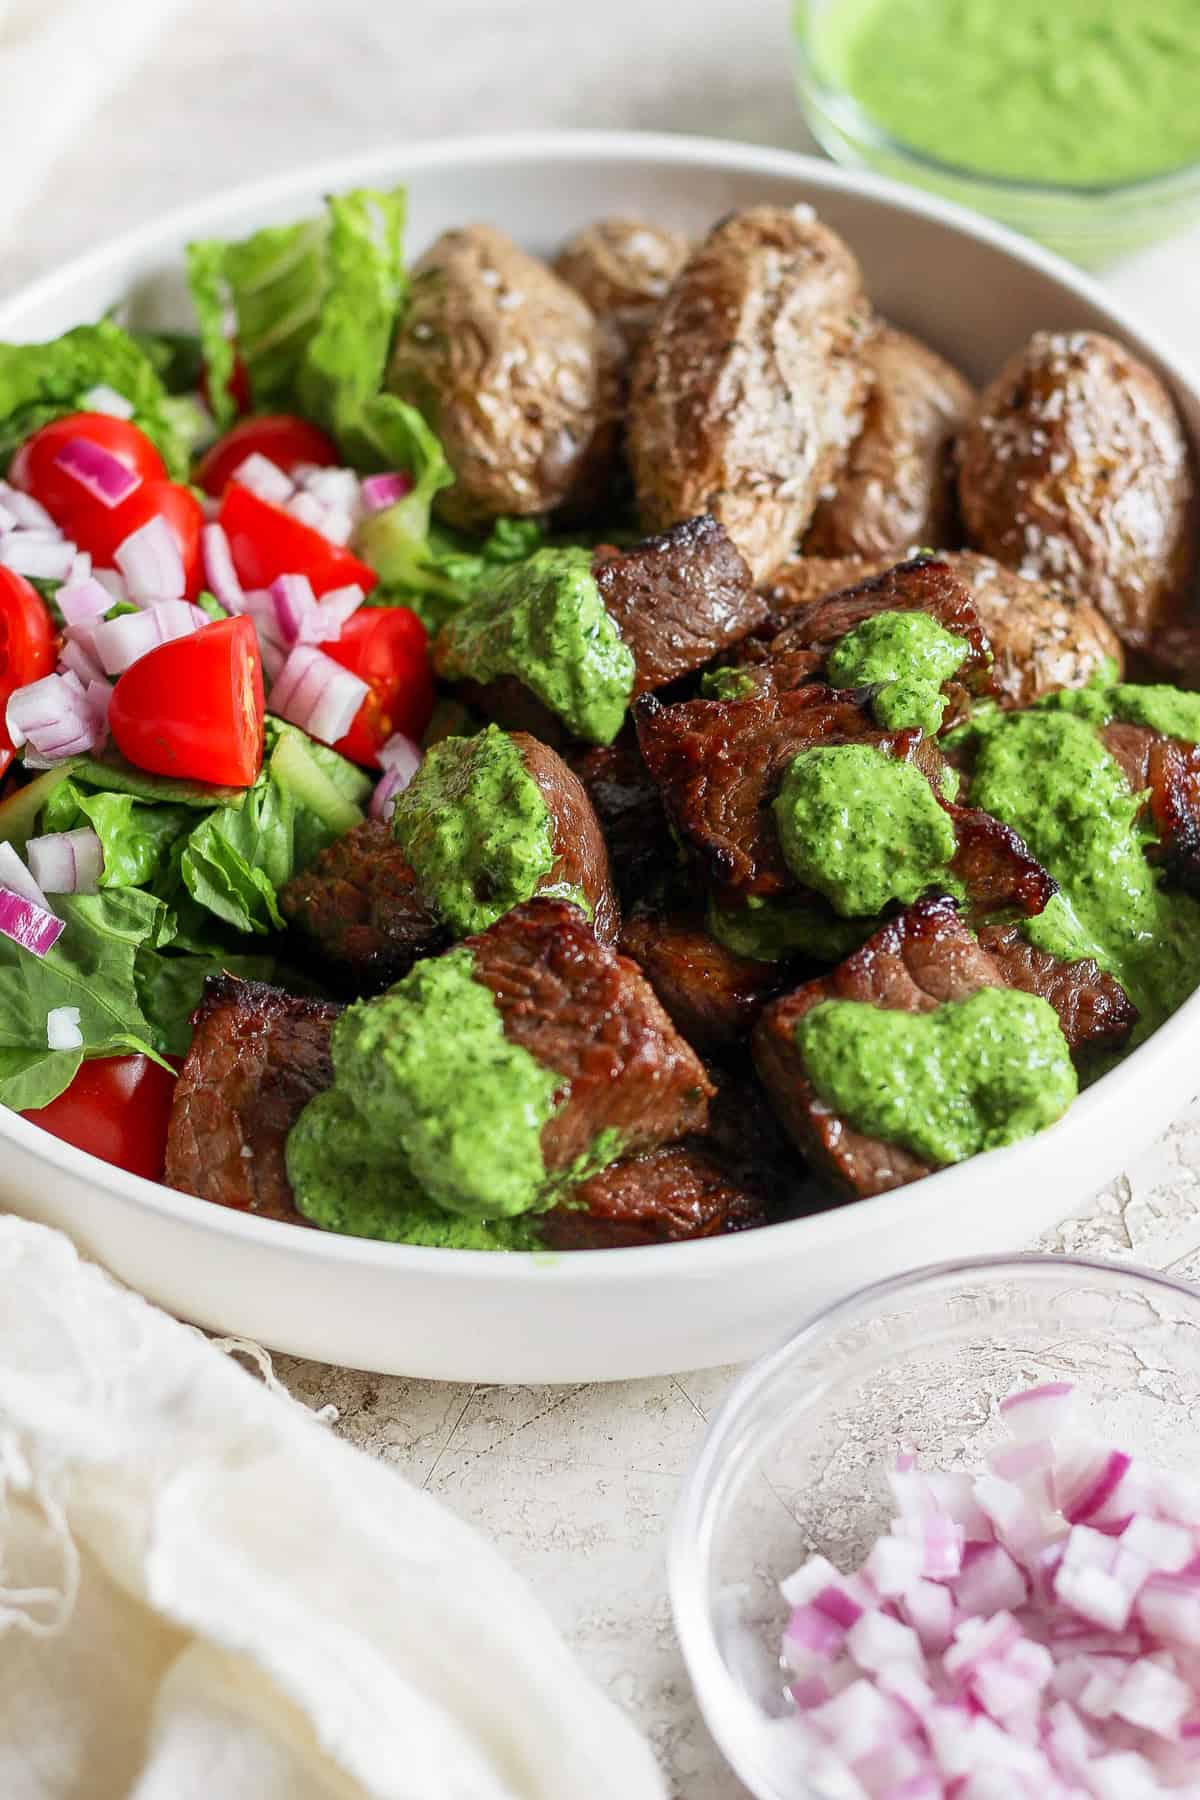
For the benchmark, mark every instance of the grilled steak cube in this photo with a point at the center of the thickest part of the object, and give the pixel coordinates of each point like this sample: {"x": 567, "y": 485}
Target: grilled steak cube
{"x": 1093, "y": 1008}
{"x": 679, "y": 1191}
{"x": 627, "y": 804}
{"x": 358, "y": 915}
{"x": 591, "y": 1017}
{"x": 678, "y": 599}
{"x": 718, "y": 765}
{"x": 712, "y": 994}
{"x": 256, "y": 1059}
{"x": 1170, "y": 770}
{"x": 580, "y": 853}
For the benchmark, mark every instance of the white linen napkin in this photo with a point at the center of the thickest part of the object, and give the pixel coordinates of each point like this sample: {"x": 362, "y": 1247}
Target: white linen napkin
{"x": 58, "y": 60}
{"x": 205, "y": 1595}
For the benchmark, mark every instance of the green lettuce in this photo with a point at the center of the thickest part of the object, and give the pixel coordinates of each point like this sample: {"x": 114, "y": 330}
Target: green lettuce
{"x": 92, "y": 967}
{"x": 41, "y": 382}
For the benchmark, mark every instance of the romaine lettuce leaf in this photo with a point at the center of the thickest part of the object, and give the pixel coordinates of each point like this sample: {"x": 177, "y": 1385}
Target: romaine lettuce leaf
{"x": 345, "y": 360}
{"x": 40, "y": 382}
{"x": 136, "y": 836}
{"x": 91, "y": 967}
{"x": 169, "y": 988}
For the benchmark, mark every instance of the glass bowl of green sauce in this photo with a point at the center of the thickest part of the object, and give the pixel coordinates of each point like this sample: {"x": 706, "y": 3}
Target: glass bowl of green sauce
{"x": 1074, "y": 121}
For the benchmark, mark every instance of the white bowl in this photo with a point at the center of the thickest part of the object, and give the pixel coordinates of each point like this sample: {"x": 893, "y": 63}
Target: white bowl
{"x": 976, "y": 292}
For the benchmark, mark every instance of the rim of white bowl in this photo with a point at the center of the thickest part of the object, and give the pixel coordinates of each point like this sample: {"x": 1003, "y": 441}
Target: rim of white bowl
{"x": 643, "y": 1263}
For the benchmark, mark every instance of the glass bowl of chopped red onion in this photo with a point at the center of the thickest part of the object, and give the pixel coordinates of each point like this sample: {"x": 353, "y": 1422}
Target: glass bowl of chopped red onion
{"x": 945, "y": 1542}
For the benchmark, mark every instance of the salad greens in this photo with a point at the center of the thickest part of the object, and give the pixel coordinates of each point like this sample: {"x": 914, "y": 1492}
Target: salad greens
{"x": 41, "y": 382}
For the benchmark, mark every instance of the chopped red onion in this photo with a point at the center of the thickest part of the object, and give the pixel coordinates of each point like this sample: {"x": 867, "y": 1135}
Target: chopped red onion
{"x": 338, "y": 526}
{"x": 97, "y": 471}
{"x": 81, "y": 567}
{"x": 323, "y": 622}
{"x": 378, "y": 491}
{"x": 317, "y": 694}
{"x": 120, "y": 642}
{"x": 400, "y": 759}
{"x": 19, "y": 879}
{"x": 264, "y": 478}
{"x": 29, "y": 513}
{"x": 273, "y": 658}
{"x": 104, "y": 399}
{"x": 62, "y": 1028}
{"x": 1060, "y": 1661}
{"x": 151, "y": 563}
{"x": 108, "y": 578}
{"x": 293, "y": 600}
{"x": 37, "y": 553}
{"x": 74, "y": 658}
{"x": 33, "y": 927}
{"x": 80, "y": 601}
{"x": 310, "y": 512}
{"x": 219, "y": 571}
{"x": 66, "y": 862}
{"x": 338, "y": 489}
{"x": 8, "y": 520}
{"x": 49, "y": 717}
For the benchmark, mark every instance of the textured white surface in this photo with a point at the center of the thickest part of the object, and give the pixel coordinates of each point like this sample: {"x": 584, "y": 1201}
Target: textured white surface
{"x": 574, "y": 1485}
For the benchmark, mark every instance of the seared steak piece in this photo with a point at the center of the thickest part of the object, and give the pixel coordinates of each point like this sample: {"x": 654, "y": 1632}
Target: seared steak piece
{"x": 580, "y": 852}
{"x": 997, "y": 870}
{"x": 1093, "y": 1008}
{"x": 678, "y": 599}
{"x": 712, "y": 994}
{"x": 1171, "y": 771}
{"x": 357, "y": 914}
{"x": 591, "y": 1016}
{"x": 680, "y": 1191}
{"x": 627, "y": 804}
{"x": 257, "y": 1058}
{"x": 719, "y": 764}
{"x": 912, "y": 964}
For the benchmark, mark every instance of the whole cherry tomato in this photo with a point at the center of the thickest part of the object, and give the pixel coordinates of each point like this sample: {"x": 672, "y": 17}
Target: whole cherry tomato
{"x": 26, "y": 645}
{"x": 267, "y": 542}
{"x": 282, "y": 438}
{"x": 387, "y": 647}
{"x": 36, "y": 470}
{"x": 194, "y": 707}
{"x": 117, "y": 1108}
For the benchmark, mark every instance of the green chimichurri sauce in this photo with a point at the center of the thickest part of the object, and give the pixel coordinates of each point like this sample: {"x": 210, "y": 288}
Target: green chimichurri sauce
{"x": 769, "y": 930}
{"x": 543, "y": 621}
{"x": 475, "y": 827}
{"x": 862, "y": 828}
{"x": 968, "y": 1076}
{"x": 1083, "y": 92}
{"x": 905, "y": 656}
{"x": 1047, "y": 774}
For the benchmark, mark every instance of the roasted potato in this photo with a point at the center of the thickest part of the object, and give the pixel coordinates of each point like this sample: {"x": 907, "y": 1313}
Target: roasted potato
{"x": 1042, "y": 637}
{"x": 623, "y": 268}
{"x": 511, "y": 369}
{"x": 800, "y": 580}
{"x": 1075, "y": 470}
{"x": 897, "y": 488}
{"x": 748, "y": 389}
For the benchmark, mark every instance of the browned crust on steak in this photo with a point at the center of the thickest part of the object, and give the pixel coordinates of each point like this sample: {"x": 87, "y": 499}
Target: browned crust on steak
{"x": 630, "y": 811}
{"x": 580, "y": 852}
{"x": 357, "y": 914}
{"x": 912, "y": 964}
{"x": 719, "y": 764}
{"x": 678, "y": 599}
{"x": 591, "y": 1016}
{"x": 1170, "y": 771}
{"x": 712, "y": 995}
{"x": 680, "y": 1191}
{"x": 257, "y": 1058}
{"x": 1093, "y": 1008}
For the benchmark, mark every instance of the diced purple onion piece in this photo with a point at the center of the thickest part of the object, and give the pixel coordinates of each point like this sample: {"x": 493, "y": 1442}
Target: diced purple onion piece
{"x": 105, "y": 399}
{"x": 33, "y": 927}
{"x": 29, "y": 513}
{"x": 219, "y": 571}
{"x": 323, "y": 622}
{"x": 19, "y": 878}
{"x": 293, "y": 600}
{"x": 67, "y": 862}
{"x": 97, "y": 471}
{"x": 151, "y": 562}
{"x": 121, "y": 642}
{"x": 80, "y": 601}
{"x": 62, "y": 1028}
{"x": 317, "y": 694}
{"x": 379, "y": 491}
{"x": 264, "y": 478}
{"x": 37, "y": 554}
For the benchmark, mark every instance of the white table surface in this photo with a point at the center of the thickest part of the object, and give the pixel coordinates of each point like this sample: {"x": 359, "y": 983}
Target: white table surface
{"x": 576, "y": 1484}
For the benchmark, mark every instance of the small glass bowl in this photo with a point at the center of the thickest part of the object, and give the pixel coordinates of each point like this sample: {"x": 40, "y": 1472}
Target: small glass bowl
{"x": 1090, "y": 225}
{"x": 796, "y": 1460}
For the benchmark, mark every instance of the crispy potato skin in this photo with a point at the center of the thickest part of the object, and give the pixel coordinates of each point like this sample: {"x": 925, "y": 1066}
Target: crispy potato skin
{"x": 897, "y": 490}
{"x": 1075, "y": 470}
{"x": 513, "y": 372}
{"x": 748, "y": 389}
{"x": 623, "y": 268}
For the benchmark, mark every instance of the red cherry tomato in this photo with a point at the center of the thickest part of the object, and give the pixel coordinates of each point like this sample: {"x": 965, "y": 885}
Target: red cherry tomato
{"x": 103, "y": 531}
{"x": 193, "y": 708}
{"x": 282, "y": 438}
{"x": 117, "y": 1108}
{"x": 237, "y": 387}
{"x": 26, "y": 645}
{"x": 35, "y": 469}
{"x": 267, "y": 542}
{"x": 387, "y": 647}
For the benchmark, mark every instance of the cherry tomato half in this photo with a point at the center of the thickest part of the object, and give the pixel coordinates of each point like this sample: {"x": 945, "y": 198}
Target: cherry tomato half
{"x": 282, "y": 438}
{"x": 387, "y": 647}
{"x": 117, "y": 1107}
{"x": 36, "y": 470}
{"x": 26, "y": 645}
{"x": 103, "y": 532}
{"x": 267, "y": 542}
{"x": 194, "y": 707}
